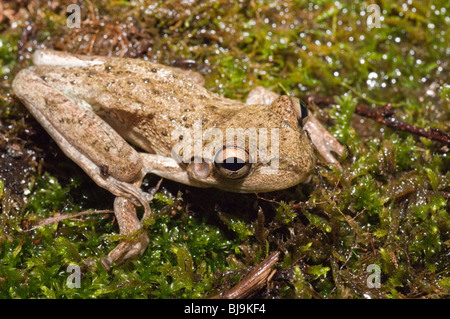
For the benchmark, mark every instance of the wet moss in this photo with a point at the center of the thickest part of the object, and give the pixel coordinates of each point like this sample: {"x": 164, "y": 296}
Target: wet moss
{"x": 388, "y": 207}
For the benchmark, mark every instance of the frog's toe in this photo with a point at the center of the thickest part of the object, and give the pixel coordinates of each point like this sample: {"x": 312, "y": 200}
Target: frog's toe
{"x": 324, "y": 141}
{"x": 136, "y": 239}
{"x": 107, "y": 262}
{"x": 137, "y": 248}
{"x": 126, "y": 250}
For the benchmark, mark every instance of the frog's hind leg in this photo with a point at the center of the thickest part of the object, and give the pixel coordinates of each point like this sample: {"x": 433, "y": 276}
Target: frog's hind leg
{"x": 58, "y": 58}
{"x": 83, "y": 136}
{"x": 95, "y": 147}
{"x": 324, "y": 142}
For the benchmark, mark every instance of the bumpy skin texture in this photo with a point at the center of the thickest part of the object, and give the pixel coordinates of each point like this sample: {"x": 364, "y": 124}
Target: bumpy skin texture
{"x": 93, "y": 106}
{"x": 145, "y": 103}
{"x": 323, "y": 141}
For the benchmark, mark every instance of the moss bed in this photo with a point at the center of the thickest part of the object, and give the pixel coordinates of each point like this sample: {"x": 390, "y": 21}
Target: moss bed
{"x": 388, "y": 207}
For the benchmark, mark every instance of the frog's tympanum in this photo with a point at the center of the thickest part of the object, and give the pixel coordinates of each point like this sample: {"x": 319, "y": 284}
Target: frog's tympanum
{"x": 120, "y": 119}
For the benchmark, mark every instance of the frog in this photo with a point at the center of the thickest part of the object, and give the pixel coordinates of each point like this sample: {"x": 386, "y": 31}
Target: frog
{"x": 115, "y": 118}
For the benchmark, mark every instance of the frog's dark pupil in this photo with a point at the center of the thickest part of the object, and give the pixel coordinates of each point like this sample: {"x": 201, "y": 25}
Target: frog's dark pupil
{"x": 233, "y": 164}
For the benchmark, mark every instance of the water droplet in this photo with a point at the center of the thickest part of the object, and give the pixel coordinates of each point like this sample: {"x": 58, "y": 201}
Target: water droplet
{"x": 373, "y": 75}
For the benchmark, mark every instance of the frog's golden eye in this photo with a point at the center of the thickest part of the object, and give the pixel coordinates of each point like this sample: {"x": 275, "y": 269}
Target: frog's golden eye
{"x": 232, "y": 162}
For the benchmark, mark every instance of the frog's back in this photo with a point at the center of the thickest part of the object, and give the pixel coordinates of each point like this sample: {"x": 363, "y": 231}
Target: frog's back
{"x": 143, "y": 101}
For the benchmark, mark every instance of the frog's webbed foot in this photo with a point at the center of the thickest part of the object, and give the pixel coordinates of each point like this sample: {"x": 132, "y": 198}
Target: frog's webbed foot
{"x": 323, "y": 140}
{"x": 126, "y": 250}
{"x": 129, "y": 226}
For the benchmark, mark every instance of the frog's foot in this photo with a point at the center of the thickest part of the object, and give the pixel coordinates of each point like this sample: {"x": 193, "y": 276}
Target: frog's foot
{"x": 129, "y": 225}
{"x": 125, "y": 250}
{"x": 324, "y": 141}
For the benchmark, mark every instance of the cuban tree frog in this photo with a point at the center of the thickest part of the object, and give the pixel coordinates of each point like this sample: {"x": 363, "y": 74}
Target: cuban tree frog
{"x": 95, "y": 107}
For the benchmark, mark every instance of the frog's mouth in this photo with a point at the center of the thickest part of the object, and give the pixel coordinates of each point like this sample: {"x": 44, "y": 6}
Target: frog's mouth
{"x": 205, "y": 175}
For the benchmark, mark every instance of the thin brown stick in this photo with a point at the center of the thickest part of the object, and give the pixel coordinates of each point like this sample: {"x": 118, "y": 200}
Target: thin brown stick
{"x": 254, "y": 281}
{"x": 385, "y": 115}
{"x": 56, "y": 219}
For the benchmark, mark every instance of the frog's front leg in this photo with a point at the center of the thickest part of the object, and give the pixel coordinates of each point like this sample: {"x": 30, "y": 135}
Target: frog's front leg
{"x": 91, "y": 143}
{"x": 324, "y": 142}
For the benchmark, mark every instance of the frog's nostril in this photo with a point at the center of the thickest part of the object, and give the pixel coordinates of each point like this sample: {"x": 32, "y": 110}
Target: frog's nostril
{"x": 202, "y": 169}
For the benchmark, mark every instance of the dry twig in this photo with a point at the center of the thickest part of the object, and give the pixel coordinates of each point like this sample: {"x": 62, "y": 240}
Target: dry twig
{"x": 254, "y": 281}
{"x": 385, "y": 115}
{"x": 56, "y": 219}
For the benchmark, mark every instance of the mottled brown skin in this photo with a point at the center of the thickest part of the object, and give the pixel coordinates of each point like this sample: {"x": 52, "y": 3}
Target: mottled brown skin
{"x": 93, "y": 106}
{"x": 145, "y": 102}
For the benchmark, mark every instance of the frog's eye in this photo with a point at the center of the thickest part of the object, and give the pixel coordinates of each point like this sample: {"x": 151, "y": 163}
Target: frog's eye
{"x": 232, "y": 162}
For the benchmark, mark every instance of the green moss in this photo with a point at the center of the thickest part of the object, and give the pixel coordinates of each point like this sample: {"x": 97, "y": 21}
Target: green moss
{"x": 2, "y": 188}
{"x": 342, "y": 113}
{"x": 389, "y": 205}
{"x": 300, "y": 285}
